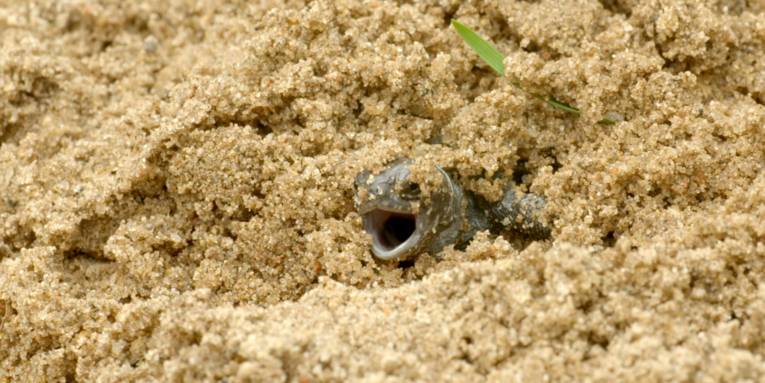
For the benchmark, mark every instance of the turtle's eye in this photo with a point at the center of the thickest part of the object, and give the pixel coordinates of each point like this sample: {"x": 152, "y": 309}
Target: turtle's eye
{"x": 410, "y": 191}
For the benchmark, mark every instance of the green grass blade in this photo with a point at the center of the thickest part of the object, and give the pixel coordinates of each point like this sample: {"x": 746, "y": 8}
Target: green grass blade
{"x": 493, "y": 58}
{"x": 560, "y": 105}
{"x": 606, "y": 121}
{"x": 611, "y": 118}
{"x": 488, "y": 53}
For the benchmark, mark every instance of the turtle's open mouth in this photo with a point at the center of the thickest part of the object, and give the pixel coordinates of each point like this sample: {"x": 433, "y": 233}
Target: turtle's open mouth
{"x": 391, "y": 232}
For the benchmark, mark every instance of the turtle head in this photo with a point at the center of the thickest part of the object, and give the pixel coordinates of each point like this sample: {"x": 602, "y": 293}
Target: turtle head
{"x": 401, "y": 219}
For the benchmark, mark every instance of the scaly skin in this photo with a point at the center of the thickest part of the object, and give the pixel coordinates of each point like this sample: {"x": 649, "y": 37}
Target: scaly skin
{"x": 404, "y": 223}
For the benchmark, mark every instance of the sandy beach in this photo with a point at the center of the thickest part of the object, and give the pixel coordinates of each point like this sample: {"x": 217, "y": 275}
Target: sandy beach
{"x": 177, "y": 203}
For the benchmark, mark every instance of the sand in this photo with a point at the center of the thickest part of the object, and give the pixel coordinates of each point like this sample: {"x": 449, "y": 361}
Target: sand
{"x": 176, "y": 196}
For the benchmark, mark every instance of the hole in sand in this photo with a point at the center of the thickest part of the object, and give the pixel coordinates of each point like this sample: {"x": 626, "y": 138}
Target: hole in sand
{"x": 395, "y": 228}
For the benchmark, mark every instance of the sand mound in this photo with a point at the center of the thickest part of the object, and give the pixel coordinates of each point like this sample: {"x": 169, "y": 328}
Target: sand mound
{"x": 176, "y": 200}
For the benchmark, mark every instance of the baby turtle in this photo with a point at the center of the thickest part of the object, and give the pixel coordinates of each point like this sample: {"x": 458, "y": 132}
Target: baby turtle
{"x": 403, "y": 222}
